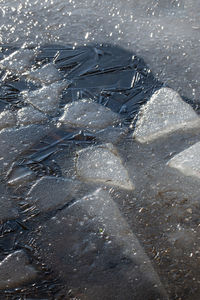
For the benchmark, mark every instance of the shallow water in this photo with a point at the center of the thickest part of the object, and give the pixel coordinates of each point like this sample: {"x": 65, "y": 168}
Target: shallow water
{"x": 85, "y": 241}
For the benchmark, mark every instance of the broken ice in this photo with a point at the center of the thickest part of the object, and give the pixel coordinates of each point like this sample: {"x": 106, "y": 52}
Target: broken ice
{"x": 46, "y": 74}
{"x": 102, "y": 164}
{"x": 16, "y": 270}
{"x": 29, "y": 115}
{"x": 165, "y": 112}
{"x": 18, "y": 61}
{"x": 8, "y": 209}
{"x": 50, "y": 192}
{"x": 188, "y": 161}
{"x": 7, "y": 119}
{"x": 88, "y": 114}
{"x": 46, "y": 99}
{"x": 90, "y": 245}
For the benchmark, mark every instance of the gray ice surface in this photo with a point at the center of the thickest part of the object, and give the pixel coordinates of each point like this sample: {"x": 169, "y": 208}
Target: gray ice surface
{"x": 187, "y": 161}
{"x": 165, "y": 112}
{"x": 8, "y": 208}
{"x": 47, "y": 98}
{"x": 49, "y": 193}
{"x": 46, "y": 74}
{"x": 15, "y": 270}
{"x": 20, "y": 175}
{"x": 111, "y": 134}
{"x": 18, "y": 61}
{"x": 90, "y": 245}
{"x": 88, "y": 114}
{"x": 102, "y": 164}
{"x": 29, "y": 115}
{"x": 7, "y": 119}
{"x": 14, "y": 141}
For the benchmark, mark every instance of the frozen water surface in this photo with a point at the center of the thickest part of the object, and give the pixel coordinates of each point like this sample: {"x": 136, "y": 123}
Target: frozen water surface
{"x": 102, "y": 164}
{"x": 15, "y": 269}
{"x": 58, "y": 54}
{"x": 161, "y": 115}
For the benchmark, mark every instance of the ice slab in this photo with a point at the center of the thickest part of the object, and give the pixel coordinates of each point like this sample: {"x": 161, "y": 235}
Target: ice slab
{"x": 15, "y": 270}
{"x": 90, "y": 246}
{"x": 165, "y": 112}
{"x": 102, "y": 164}
{"x": 8, "y": 209}
{"x": 50, "y": 192}
{"x": 18, "y": 61}
{"x": 46, "y": 99}
{"x": 111, "y": 134}
{"x": 187, "y": 161}
{"x": 20, "y": 175}
{"x": 46, "y": 74}
{"x": 29, "y": 115}
{"x": 14, "y": 141}
{"x": 88, "y": 114}
{"x": 7, "y": 119}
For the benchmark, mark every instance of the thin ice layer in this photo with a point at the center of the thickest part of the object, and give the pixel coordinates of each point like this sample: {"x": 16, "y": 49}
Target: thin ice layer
{"x": 46, "y": 74}
{"x": 7, "y": 119}
{"x": 49, "y": 193}
{"x": 15, "y": 270}
{"x": 88, "y": 114}
{"x": 18, "y": 61}
{"x": 187, "y": 161}
{"x": 8, "y": 209}
{"x": 91, "y": 247}
{"x": 46, "y": 99}
{"x": 102, "y": 164}
{"x": 29, "y": 115}
{"x": 165, "y": 112}
{"x": 14, "y": 141}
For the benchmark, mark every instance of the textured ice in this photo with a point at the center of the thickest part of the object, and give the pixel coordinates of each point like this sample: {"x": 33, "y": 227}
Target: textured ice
{"x": 111, "y": 134}
{"x": 18, "y": 61}
{"x": 7, "y": 119}
{"x": 20, "y": 175}
{"x": 90, "y": 245}
{"x": 16, "y": 270}
{"x": 165, "y": 112}
{"x": 14, "y": 141}
{"x": 88, "y": 114}
{"x": 8, "y": 210}
{"x": 46, "y": 99}
{"x": 187, "y": 161}
{"x": 102, "y": 164}
{"x": 50, "y": 192}
{"x": 29, "y": 115}
{"x": 46, "y": 74}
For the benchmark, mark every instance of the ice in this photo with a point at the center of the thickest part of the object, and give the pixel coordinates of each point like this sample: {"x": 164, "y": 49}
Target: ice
{"x": 111, "y": 134}
{"x": 8, "y": 209}
{"x": 29, "y": 115}
{"x": 20, "y": 175}
{"x": 7, "y": 119}
{"x": 18, "y": 61}
{"x": 102, "y": 164}
{"x": 45, "y": 75}
{"x": 47, "y": 98}
{"x": 88, "y": 114}
{"x": 90, "y": 246}
{"x": 49, "y": 193}
{"x": 16, "y": 270}
{"x": 15, "y": 141}
{"x": 187, "y": 161}
{"x": 165, "y": 112}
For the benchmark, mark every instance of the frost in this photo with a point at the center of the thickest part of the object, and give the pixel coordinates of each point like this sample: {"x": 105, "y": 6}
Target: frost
{"x": 46, "y": 74}
{"x": 102, "y": 164}
{"x": 15, "y": 270}
{"x": 188, "y": 161}
{"x": 18, "y": 61}
{"x": 88, "y": 114}
{"x": 165, "y": 112}
{"x": 46, "y": 99}
{"x": 29, "y": 115}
